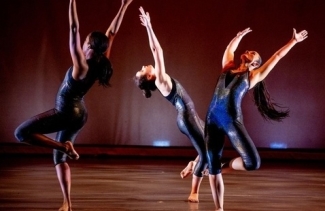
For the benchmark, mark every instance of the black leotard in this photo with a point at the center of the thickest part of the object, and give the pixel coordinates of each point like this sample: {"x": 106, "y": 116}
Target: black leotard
{"x": 225, "y": 117}
{"x": 68, "y": 116}
{"x": 189, "y": 122}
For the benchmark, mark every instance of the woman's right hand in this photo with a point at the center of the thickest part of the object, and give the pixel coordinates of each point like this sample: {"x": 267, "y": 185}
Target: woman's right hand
{"x": 145, "y": 18}
{"x": 244, "y": 32}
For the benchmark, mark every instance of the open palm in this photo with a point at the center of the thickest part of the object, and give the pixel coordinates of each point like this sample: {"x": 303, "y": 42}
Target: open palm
{"x": 300, "y": 36}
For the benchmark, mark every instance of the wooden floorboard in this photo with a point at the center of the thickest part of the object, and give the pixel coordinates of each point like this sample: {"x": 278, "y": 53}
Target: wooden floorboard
{"x": 151, "y": 184}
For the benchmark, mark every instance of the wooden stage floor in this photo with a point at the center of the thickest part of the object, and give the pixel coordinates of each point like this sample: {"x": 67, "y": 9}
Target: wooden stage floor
{"x": 151, "y": 184}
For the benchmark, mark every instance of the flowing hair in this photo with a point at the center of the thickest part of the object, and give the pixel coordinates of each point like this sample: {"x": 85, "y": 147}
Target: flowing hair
{"x": 265, "y": 106}
{"x": 98, "y": 41}
{"x": 264, "y": 103}
{"x": 145, "y": 85}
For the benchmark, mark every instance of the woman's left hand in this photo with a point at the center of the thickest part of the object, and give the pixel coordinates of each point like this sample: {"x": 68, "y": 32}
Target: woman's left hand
{"x": 299, "y": 36}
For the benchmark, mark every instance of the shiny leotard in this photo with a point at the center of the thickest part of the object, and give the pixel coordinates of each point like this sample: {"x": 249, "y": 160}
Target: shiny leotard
{"x": 225, "y": 117}
{"x": 189, "y": 123}
{"x": 68, "y": 116}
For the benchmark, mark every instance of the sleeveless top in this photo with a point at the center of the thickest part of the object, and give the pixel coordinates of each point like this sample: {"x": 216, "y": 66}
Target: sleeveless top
{"x": 71, "y": 92}
{"x": 179, "y": 97}
{"x": 225, "y": 106}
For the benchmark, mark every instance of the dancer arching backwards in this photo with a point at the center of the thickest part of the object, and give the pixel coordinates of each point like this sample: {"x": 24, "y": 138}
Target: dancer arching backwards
{"x": 90, "y": 63}
{"x": 150, "y": 78}
{"x": 224, "y": 116}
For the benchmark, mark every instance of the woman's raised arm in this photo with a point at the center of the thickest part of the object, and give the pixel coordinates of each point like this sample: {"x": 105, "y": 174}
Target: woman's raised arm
{"x": 80, "y": 66}
{"x": 260, "y": 73}
{"x": 156, "y": 49}
{"x": 115, "y": 25}
{"x": 228, "y": 56}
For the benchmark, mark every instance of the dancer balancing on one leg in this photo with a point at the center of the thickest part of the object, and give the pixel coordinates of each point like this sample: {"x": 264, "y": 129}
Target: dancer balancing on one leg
{"x": 150, "y": 78}
{"x": 90, "y": 63}
{"x": 224, "y": 116}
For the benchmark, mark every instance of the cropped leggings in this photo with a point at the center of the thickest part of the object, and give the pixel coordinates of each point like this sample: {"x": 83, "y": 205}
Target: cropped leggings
{"x": 239, "y": 139}
{"x": 66, "y": 124}
{"x": 192, "y": 126}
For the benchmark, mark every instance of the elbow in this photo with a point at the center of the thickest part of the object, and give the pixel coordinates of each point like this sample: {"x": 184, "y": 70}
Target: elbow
{"x": 159, "y": 50}
{"x": 278, "y": 56}
{"x": 74, "y": 27}
{"x": 156, "y": 49}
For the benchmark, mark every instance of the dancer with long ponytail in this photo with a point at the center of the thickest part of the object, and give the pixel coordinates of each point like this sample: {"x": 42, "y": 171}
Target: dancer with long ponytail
{"x": 224, "y": 116}
{"x": 90, "y": 63}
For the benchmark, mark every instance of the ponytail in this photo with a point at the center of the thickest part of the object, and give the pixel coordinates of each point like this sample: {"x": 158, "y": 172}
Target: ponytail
{"x": 105, "y": 71}
{"x": 145, "y": 85}
{"x": 265, "y": 106}
{"x": 98, "y": 42}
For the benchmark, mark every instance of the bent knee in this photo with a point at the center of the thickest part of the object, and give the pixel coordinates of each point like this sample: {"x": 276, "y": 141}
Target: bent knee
{"x": 21, "y": 134}
{"x": 253, "y": 166}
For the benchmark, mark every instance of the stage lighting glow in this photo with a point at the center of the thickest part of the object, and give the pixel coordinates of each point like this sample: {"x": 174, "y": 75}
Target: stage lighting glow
{"x": 161, "y": 143}
{"x": 278, "y": 145}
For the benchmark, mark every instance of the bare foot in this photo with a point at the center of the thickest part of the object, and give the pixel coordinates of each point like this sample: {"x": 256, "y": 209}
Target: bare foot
{"x": 72, "y": 154}
{"x": 187, "y": 170}
{"x": 193, "y": 198}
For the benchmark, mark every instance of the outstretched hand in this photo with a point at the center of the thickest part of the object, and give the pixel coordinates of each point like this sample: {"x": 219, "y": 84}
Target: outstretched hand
{"x": 244, "y": 32}
{"x": 144, "y": 17}
{"x": 299, "y": 36}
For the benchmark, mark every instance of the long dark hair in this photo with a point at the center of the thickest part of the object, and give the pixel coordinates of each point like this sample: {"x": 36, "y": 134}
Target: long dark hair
{"x": 264, "y": 103}
{"x": 145, "y": 85}
{"x": 98, "y": 41}
{"x": 265, "y": 106}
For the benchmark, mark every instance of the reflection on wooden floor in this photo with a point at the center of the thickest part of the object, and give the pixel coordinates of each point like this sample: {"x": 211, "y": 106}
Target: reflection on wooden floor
{"x": 30, "y": 184}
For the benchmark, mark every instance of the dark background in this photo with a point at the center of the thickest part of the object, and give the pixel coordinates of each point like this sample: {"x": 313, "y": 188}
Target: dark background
{"x": 34, "y": 57}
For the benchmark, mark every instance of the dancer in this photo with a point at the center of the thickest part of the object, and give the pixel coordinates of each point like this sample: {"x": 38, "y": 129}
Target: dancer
{"x": 224, "y": 116}
{"x": 90, "y": 63}
{"x": 150, "y": 78}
